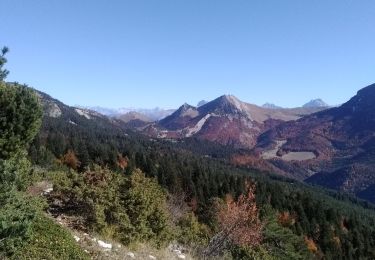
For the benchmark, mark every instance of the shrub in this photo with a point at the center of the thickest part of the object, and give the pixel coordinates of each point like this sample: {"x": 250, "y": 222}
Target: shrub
{"x": 192, "y": 232}
{"x": 238, "y": 222}
{"x": 16, "y": 216}
{"x": 49, "y": 241}
{"x": 130, "y": 208}
{"x": 144, "y": 202}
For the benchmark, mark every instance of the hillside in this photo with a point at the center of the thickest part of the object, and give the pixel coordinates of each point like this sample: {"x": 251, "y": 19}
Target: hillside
{"x": 185, "y": 167}
{"x": 340, "y": 141}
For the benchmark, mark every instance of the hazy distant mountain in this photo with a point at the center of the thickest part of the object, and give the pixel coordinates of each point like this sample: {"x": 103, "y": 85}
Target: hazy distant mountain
{"x": 102, "y": 110}
{"x": 153, "y": 114}
{"x": 134, "y": 119}
{"x": 201, "y": 103}
{"x": 315, "y": 103}
{"x": 271, "y": 106}
{"x": 134, "y": 116}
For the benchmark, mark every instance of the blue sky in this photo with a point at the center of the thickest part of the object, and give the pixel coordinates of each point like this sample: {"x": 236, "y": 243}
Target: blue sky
{"x": 122, "y": 53}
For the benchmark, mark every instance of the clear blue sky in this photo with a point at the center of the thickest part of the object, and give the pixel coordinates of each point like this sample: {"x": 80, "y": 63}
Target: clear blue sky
{"x": 166, "y": 52}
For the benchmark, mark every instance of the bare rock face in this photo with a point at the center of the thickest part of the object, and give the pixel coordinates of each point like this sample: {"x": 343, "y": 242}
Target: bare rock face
{"x": 50, "y": 107}
{"x": 54, "y": 111}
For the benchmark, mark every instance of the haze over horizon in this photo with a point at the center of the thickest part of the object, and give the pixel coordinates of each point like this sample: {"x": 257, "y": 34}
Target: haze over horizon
{"x": 130, "y": 53}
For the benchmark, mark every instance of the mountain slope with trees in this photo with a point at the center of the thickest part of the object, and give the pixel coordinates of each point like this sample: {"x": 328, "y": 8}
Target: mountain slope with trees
{"x": 291, "y": 210}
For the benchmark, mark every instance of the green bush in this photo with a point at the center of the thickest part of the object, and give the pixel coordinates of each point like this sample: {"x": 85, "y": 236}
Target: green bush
{"x": 282, "y": 243}
{"x": 192, "y": 232}
{"x": 256, "y": 253}
{"x": 49, "y": 241}
{"x": 129, "y": 208}
{"x": 144, "y": 202}
{"x": 16, "y": 217}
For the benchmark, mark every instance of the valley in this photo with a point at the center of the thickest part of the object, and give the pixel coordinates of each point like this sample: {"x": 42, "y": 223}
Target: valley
{"x": 88, "y": 156}
{"x": 308, "y": 142}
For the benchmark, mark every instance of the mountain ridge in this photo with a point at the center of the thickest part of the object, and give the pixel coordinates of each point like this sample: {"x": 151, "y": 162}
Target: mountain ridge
{"x": 226, "y": 120}
{"x": 342, "y": 140}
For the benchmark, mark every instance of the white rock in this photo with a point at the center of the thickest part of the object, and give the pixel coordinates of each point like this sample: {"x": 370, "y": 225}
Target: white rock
{"x": 181, "y": 256}
{"x": 193, "y": 130}
{"x": 76, "y": 238}
{"x": 131, "y": 255}
{"x": 178, "y": 252}
{"x": 83, "y": 113}
{"x": 54, "y": 110}
{"x": 151, "y": 257}
{"x": 47, "y": 191}
{"x": 104, "y": 244}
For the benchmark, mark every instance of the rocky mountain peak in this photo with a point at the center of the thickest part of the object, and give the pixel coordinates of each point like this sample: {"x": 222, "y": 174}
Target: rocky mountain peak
{"x": 226, "y": 104}
{"x": 315, "y": 103}
{"x": 185, "y": 106}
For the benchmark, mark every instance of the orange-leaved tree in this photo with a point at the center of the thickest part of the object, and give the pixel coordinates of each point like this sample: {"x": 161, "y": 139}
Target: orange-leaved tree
{"x": 70, "y": 159}
{"x": 238, "y": 222}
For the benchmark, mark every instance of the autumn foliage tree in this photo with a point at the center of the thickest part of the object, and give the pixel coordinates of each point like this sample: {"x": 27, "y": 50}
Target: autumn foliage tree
{"x": 122, "y": 161}
{"x": 286, "y": 219}
{"x": 70, "y": 159}
{"x": 238, "y": 222}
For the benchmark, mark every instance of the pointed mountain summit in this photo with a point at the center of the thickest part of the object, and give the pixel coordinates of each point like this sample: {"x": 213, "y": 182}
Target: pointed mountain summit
{"x": 185, "y": 110}
{"x": 315, "y": 103}
{"x": 226, "y": 104}
{"x": 180, "y": 117}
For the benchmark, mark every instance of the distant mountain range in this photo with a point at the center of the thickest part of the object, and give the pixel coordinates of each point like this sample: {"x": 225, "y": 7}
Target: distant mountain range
{"x": 225, "y": 120}
{"x": 332, "y": 147}
{"x": 311, "y": 104}
{"x": 152, "y": 114}
{"x": 155, "y": 114}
